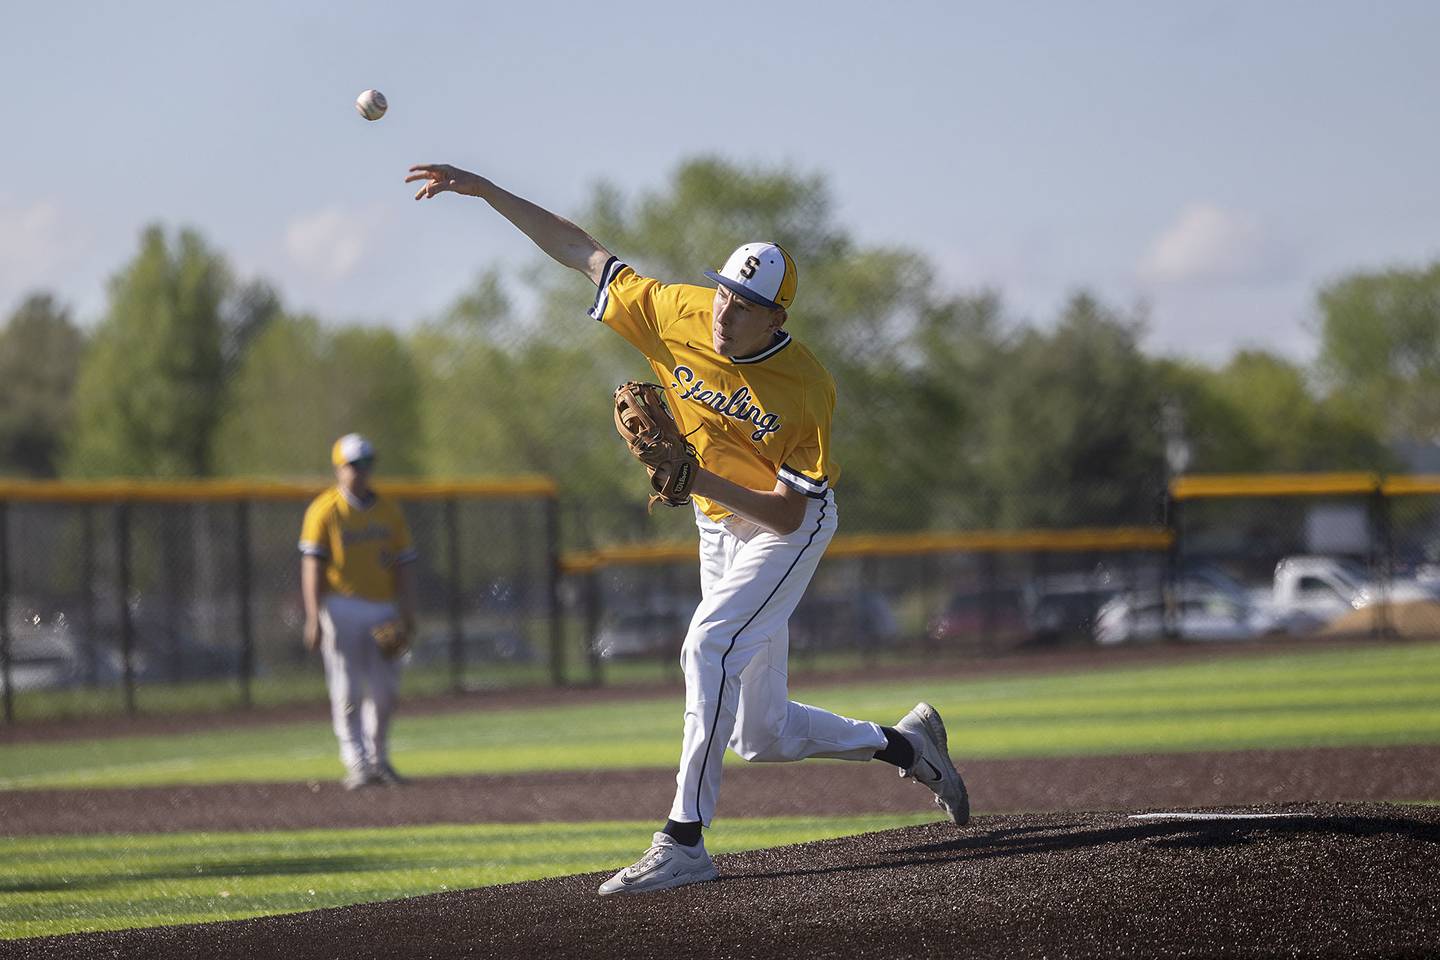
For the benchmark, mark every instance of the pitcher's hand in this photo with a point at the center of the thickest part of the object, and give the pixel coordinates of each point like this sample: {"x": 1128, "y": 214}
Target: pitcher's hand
{"x": 441, "y": 177}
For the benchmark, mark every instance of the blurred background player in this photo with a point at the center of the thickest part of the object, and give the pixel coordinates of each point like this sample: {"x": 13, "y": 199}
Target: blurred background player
{"x": 757, "y": 405}
{"x": 355, "y": 575}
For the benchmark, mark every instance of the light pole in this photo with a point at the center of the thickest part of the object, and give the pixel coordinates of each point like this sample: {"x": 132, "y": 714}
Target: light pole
{"x": 1177, "y": 459}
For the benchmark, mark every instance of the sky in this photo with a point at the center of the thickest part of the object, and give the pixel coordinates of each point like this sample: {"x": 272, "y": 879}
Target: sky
{"x": 1214, "y": 163}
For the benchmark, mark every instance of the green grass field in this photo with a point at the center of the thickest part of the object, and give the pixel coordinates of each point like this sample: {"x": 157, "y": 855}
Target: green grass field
{"x": 291, "y": 684}
{"x": 54, "y": 885}
{"x": 1382, "y": 695}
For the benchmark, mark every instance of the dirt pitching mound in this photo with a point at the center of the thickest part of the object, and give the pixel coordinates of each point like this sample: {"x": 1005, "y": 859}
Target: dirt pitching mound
{"x": 1304, "y": 880}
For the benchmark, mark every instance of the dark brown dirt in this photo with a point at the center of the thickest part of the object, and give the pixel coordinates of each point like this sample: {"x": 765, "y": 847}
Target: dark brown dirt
{"x": 762, "y": 790}
{"x": 1335, "y": 881}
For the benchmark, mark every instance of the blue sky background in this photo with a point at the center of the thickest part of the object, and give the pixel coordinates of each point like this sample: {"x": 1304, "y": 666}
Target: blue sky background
{"x": 1217, "y": 161}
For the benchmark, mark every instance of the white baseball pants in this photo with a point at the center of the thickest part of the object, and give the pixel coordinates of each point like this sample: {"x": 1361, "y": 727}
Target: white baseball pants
{"x": 736, "y": 657}
{"x": 363, "y": 685}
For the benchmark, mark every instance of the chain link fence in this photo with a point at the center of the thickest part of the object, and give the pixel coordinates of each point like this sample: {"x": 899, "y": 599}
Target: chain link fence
{"x": 1306, "y": 555}
{"x": 877, "y": 599}
{"x": 151, "y": 597}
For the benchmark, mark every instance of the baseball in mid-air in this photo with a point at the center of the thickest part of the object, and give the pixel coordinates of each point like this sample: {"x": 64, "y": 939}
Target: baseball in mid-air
{"x": 371, "y": 104}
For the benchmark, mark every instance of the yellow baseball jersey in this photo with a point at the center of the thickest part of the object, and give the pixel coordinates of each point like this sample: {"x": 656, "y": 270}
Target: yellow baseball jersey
{"x": 363, "y": 543}
{"x": 759, "y": 418}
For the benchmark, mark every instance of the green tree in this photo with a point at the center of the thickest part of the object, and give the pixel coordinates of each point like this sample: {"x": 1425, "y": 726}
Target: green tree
{"x": 1288, "y": 426}
{"x": 912, "y": 411}
{"x": 151, "y": 387}
{"x": 248, "y": 313}
{"x": 501, "y": 396}
{"x": 1380, "y": 349}
{"x": 302, "y": 385}
{"x": 1216, "y": 432}
{"x": 1070, "y": 436}
{"x": 1261, "y": 413}
{"x": 40, "y": 349}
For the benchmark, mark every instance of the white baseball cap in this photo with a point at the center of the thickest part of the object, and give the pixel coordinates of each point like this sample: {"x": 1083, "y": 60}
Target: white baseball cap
{"x": 350, "y": 448}
{"x": 761, "y": 272}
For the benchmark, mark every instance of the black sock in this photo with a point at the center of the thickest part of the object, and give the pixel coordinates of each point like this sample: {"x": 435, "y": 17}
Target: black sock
{"x": 684, "y": 833}
{"x": 898, "y": 749}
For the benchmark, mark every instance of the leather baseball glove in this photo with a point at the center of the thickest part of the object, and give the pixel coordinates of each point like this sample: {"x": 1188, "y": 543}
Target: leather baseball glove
{"x": 648, "y": 429}
{"x": 391, "y": 637}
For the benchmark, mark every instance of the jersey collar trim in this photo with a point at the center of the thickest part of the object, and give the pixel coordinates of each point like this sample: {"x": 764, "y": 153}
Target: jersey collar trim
{"x": 357, "y": 503}
{"x": 782, "y": 340}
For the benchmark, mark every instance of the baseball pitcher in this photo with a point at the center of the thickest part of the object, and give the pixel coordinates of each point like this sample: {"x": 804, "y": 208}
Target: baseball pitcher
{"x": 355, "y": 579}
{"x": 754, "y": 407}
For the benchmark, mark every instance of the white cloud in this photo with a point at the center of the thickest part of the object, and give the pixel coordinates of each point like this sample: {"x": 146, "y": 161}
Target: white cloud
{"x": 1206, "y": 244}
{"x": 330, "y": 243}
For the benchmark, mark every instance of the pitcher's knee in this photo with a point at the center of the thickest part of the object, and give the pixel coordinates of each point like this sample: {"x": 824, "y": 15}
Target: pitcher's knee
{"x": 705, "y": 644}
{"x": 772, "y": 752}
{"x": 759, "y": 744}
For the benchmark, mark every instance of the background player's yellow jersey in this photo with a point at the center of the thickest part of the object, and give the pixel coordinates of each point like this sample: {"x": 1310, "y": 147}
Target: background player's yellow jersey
{"x": 363, "y": 543}
{"x": 761, "y": 417}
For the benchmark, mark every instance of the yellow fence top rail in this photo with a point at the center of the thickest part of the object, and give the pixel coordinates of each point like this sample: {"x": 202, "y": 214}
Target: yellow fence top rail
{"x": 1410, "y": 485}
{"x": 201, "y": 491}
{"x": 1274, "y": 485}
{"x": 639, "y": 554}
{"x": 1004, "y": 541}
{"x": 984, "y": 541}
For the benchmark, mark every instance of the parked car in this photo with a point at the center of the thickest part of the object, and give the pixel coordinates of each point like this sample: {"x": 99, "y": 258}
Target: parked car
{"x": 165, "y": 652}
{"x": 43, "y": 660}
{"x": 859, "y": 620}
{"x": 974, "y": 617}
{"x": 1044, "y": 609}
{"x": 46, "y": 653}
{"x": 480, "y": 642}
{"x": 1325, "y": 588}
{"x": 1062, "y": 605}
{"x": 1201, "y": 614}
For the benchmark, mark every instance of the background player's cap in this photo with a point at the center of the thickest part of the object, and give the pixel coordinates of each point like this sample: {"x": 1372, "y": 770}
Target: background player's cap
{"x": 350, "y": 448}
{"x": 761, "y": 272}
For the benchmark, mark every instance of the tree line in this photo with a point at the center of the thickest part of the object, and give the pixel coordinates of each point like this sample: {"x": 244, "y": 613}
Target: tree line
{"x": 953, "y": 413}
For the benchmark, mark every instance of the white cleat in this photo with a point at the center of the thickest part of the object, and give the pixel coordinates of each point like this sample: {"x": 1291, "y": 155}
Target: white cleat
{"x": 926, "y": 731}
{"x": 666, "y": 864}
{"x": 358, "y": 779}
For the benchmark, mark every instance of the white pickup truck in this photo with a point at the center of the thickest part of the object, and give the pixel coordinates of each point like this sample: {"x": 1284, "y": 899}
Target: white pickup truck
{"x": 1309, "y": 592}
{"x": 1320, "y": 589}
